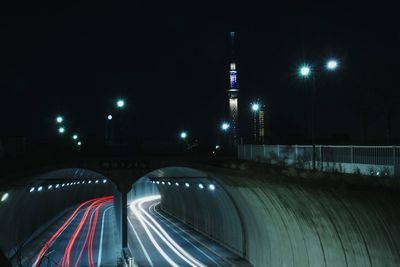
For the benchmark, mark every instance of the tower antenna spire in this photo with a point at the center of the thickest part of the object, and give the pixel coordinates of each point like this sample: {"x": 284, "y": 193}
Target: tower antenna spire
{"x": 232, "y": 45}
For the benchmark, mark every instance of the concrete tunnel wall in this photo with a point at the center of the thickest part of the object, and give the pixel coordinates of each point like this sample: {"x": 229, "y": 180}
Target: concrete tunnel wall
{"x": 288, "y": 224}
{"x": 24, "y": 212}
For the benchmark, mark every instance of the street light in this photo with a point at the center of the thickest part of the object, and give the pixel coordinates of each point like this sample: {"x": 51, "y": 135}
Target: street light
{"x": 59, "y": 119}
{"x": 305, "y": 71}
{"x": 109, "y": 117}
{"x": 183, "y": 135}
{"x": 120, "y": 103}
{"x": 225, "y": 126}
{"x": 75, "y": 136}
{"x": 61, "y": 130}
{"x": 255, "y": 107}
{"x": 332, "y": 64}
{"x": 79, "y": 143}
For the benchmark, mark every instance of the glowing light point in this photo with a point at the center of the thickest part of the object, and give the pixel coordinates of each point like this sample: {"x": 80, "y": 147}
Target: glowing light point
{"x": 57, "y": 185}
{"x": 32, "y": 189}
{"x": 109, "y": 117}
{"x": 40, "y": 188}
{"x": 59, "y": 119}
{"x": 183, "y": 135}
{"x": 187, "y": 184}
{"x": 211, "y": 187}
{"x": 177, "y": 184}
{"x": 332, "y": 64}
{"x": 4, "y": 197}
{"x": 201, "y": 186}
{"x": 305, "y": 71}
{"x": 61, "y": 130}
{"x": 75, "y": 136}
{"x": 50, "y": 187}
{"x": 79, "y": 143}
{"x": 255, "y": 107}
{"x": 120, "y": 103}
{"x": 169, "y": 183}
{"x": 225, "y": 126}
{"x": 104, "y": 181}
{"x": 97, "y": 181}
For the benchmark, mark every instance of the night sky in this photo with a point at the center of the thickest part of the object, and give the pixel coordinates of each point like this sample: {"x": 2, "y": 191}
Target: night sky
{"x": 170, "y": 62}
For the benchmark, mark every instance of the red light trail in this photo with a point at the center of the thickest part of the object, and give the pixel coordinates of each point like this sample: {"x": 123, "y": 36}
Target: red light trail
{"x": 90, "y": 216}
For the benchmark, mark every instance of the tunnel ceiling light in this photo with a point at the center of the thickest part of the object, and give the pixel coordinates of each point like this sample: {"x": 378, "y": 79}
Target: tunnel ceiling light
{"x": 67, "y": 184}
{"x": 177, "y": 184}
{"x": 83, "y": 182}
{"x": 32, "y": 189}
{"x": 40, "y": 188}
{"x": 49, "y": 187}
{"x": 4, "y": 197}
{"x": 169, "y": 183}
{"x": 79, "y": 182}
{"x": 211, "y": 187}
{"x": 90, "y": 181}
{"x": 97, "y": 181}
{"x": 201, "y": 186}
{"x": 62, "y": 185}
{"x": 162, "y": 182}
{"x": 109, "y": 117}
{"x": 158, "y": 182}
{"x": 57, "y": 185}
{"x": 187, "y": 184}
{"x": 104, "y": 181}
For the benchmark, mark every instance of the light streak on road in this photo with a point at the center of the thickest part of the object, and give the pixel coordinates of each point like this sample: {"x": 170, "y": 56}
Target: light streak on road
{"x": 147, "y": 220}
{"x": 90, "y": 211}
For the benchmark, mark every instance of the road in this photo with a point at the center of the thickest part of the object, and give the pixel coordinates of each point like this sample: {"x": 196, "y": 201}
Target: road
{"x": 158, "y": 240}
{"x": 86, "y": 238}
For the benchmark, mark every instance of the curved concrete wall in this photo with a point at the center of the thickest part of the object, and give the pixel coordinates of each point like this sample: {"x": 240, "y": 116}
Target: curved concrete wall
{"x": 277, "y": 224}
{"x": 24, "y": 213}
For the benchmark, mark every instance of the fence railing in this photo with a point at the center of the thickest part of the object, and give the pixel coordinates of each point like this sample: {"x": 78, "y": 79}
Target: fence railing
{"x": 356, "y": 155}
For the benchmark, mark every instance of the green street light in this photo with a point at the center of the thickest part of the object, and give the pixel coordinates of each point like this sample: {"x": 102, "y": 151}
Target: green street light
{"x": 61, "y": 130}
{"x": 305, "y": 71}
{"x": 120, "y": 103}
{"x": 59, "y": 119}
{"x": 75, "y": 136}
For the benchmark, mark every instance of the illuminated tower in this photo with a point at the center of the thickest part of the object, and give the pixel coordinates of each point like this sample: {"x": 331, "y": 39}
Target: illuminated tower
{"x": 233, "y": 92}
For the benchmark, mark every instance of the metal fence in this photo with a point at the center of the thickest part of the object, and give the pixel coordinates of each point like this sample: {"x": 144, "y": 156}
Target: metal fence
{"x": 357, "y": 155}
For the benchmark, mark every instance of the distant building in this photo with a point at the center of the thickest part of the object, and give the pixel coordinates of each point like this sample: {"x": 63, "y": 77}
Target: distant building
{"x": 258, "y": 122}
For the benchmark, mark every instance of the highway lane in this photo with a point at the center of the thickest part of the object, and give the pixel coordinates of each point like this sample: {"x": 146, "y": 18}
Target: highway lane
{"x": 159, "y": 240}
{"x": 86, "y": 238}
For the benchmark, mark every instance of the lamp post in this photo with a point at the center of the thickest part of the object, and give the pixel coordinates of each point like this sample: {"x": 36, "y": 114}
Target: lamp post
{"x": 305, "y": 72}
{"x": 255, "y": 107}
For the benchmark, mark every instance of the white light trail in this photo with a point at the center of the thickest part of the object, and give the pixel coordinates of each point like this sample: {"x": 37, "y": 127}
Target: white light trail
{"x": 138, "y": 210}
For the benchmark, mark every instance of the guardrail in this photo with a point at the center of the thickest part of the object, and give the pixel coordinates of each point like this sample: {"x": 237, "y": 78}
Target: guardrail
{"x": 377, "y": 160}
